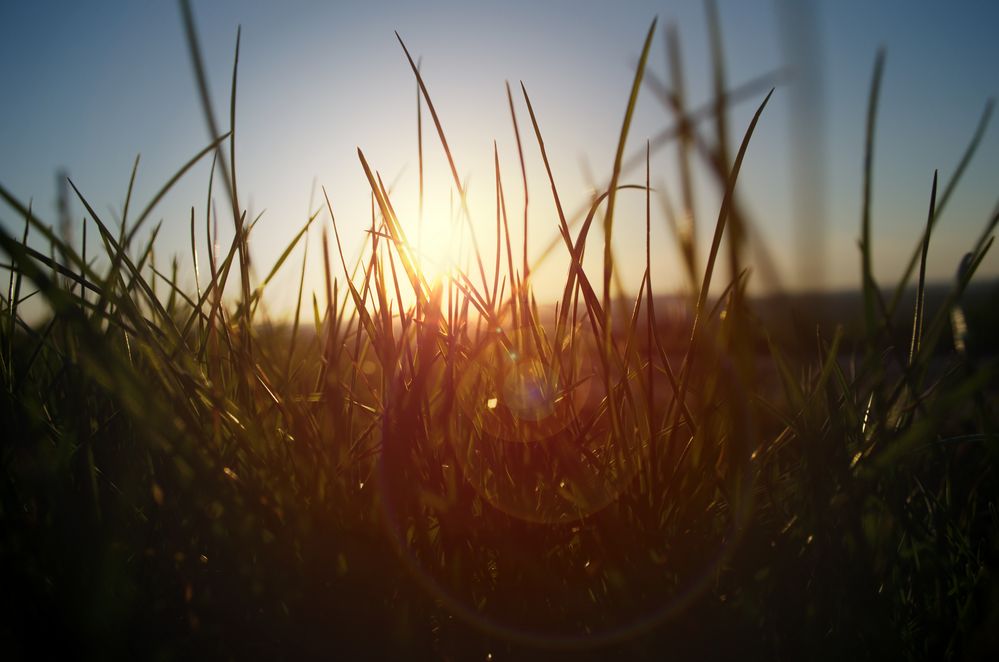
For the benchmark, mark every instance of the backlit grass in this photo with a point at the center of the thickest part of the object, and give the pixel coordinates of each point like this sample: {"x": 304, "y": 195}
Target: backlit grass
{"x": 431, "y": 463}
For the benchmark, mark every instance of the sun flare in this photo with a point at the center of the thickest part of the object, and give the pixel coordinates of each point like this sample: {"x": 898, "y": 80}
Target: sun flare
{"x": 436, "y": 245}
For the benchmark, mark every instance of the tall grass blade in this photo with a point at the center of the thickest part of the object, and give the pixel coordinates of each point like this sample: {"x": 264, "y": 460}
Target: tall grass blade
{"x": 865, "y": 219}
{"x": 962, "y": 165}
{"x": 917, "y": 316}
{"x": 616, "y": 173}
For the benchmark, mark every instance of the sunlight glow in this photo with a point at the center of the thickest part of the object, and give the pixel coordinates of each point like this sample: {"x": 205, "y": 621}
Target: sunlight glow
{"x": 436, "y": 245}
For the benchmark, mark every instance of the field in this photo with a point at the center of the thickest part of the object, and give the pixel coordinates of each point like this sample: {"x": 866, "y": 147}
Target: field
{"x": 445, "y": 467}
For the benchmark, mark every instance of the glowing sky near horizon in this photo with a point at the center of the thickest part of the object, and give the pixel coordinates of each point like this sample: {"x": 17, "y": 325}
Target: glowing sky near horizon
{"x": 87, "y": 88}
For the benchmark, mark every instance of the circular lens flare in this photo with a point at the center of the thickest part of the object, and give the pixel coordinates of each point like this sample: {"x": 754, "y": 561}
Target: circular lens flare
{"x": 531, "y": 434}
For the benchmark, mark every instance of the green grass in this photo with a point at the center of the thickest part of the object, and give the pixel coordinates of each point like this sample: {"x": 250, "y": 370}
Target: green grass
{"x": 471, "y": 474}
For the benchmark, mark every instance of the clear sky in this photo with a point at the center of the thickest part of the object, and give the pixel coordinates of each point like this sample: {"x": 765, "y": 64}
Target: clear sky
{"x": 86, "y": 88}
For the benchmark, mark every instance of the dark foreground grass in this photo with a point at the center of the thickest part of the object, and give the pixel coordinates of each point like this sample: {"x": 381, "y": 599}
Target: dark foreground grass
{"x": 465, "y": 476}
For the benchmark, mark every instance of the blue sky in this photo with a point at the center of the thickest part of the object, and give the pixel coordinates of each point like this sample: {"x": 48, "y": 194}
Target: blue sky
{"x": 86, "y": 89}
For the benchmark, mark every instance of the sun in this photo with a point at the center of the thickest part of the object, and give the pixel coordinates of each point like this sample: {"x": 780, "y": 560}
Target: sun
{"x": 435, "y": 244}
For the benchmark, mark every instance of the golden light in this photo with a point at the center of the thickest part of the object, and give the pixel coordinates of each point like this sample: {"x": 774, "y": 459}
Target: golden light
{"x": 436, "y": 245}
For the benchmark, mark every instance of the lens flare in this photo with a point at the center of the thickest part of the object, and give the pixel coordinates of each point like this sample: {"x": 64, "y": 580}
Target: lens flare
{"x": 531, "y": 435}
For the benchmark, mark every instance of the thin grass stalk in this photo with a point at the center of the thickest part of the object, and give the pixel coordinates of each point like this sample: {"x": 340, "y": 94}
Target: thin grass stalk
{"x": 687, "y": 227}
{"x": 917, "y": 316}
{"x": 865, "y": 221}
{"x": 966, "y": 157}
{"x": 450, "y": 159}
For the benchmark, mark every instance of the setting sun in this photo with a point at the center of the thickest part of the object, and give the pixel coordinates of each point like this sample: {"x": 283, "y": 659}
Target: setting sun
{"x": 435, "y": 244}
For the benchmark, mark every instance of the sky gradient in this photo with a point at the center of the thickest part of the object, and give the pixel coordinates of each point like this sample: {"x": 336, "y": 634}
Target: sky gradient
{"x": 88, "y": 89}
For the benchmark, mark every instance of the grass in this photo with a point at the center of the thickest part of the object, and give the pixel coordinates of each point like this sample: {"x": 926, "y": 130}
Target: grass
{"x": 472, "y": 475}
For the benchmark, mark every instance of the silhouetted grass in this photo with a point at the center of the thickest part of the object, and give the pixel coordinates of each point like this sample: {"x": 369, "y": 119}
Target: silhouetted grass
{"x": 444, "y": 469}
